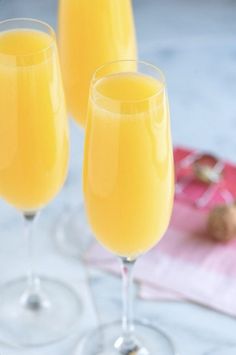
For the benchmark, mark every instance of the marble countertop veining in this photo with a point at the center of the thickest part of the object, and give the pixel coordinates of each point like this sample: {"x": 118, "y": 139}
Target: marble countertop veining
{"x": 194, "y": 43}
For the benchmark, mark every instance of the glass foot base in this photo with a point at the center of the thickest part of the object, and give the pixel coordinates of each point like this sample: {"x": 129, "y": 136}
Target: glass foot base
{"x": 73, "y": 236}
{"x": 24, "y": 326}
{"x": 106, "y": 341}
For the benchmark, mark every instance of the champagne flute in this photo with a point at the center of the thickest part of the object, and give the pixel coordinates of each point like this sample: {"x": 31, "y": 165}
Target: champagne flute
{"x": 128, "y": 187}
{"x": 91, "y": 33}
{"x": 34, "y": 150}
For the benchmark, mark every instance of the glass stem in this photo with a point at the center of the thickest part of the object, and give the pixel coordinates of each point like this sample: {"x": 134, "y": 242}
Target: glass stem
{"x": 29, "y": 220}
{"x": 32, "y": 298}
{"x": 127, "y": 318}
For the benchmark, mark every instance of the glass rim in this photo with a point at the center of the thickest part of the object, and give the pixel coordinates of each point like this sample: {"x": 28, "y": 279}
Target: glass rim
{"x": 145, "y": 63}
{"x": 50, "y": 29}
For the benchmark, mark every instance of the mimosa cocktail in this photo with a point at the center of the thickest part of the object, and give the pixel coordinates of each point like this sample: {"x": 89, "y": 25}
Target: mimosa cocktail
{"x": 128, "y": 186}
{"x": 34, "y": 142}
{"x": 34, "y": 152}
{"x": 92, "y": 33}
{"x": 128, "y": 175}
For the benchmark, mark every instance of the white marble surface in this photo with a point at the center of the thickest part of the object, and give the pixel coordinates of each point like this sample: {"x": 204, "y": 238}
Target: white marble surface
{"x": 194, "y": 43}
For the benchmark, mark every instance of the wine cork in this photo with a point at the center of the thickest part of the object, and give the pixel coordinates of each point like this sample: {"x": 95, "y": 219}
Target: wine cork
{"x": 221, "y": 224}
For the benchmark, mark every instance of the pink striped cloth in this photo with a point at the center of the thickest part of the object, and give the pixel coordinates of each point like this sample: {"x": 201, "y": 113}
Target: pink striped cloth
{"x": 186, "y": 264}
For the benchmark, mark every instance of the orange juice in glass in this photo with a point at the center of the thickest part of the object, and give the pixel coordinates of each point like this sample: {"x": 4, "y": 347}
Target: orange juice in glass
{"x": 128, "y": 186}
{"x": 128, "y": 175}
{"x": 34, "y": 143}
{"x": 34, "y": 152}
{"x": 91, "y": 33}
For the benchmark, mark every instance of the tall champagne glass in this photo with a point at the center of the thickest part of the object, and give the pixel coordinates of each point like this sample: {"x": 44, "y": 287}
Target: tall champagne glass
{"x": 91, "y": 33}
{"x": 34, "y": 149}
{"x": 128, "y": 187}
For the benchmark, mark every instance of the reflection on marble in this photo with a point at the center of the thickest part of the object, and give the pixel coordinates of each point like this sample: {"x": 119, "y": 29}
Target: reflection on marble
{"x": 194, "y": 43}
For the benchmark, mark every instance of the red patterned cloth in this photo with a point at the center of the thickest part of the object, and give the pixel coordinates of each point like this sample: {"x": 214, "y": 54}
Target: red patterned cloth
{"x": 194, "y": 188}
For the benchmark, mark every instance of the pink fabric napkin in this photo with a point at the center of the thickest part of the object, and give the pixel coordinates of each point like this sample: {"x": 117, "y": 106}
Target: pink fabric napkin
{"x": 186, "y": 264}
